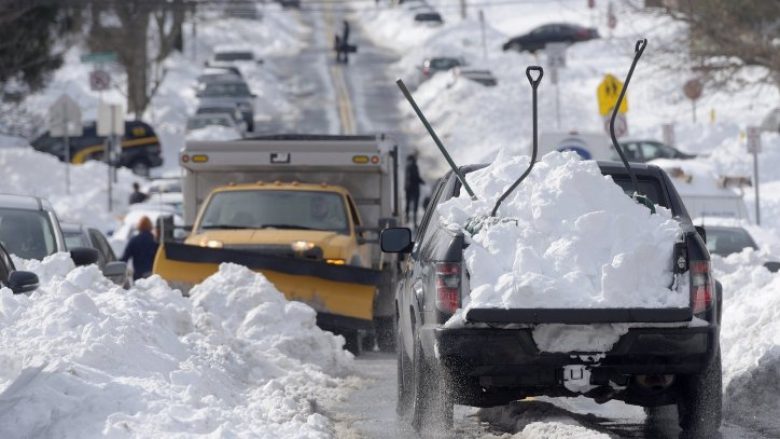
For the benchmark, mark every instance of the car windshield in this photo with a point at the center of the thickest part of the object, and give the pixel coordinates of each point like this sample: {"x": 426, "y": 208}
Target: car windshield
{"x": 75, "y": 239}
{"x": 648, "y": 187}
{"x": 235, "y": 89}
{"x": 282, "y": 209}
{"x": 27, "y": 234}
{"x": 234, "y": 56}
{"x": 200, "y": 122}
{"x": 724, "y": 241}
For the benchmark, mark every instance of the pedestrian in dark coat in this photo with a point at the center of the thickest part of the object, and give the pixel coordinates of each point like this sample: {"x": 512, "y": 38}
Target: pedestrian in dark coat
{"x": 141, "y": 249}
{"x": 137, "y": 196}
{"x": 412, "y": 185}
{"x": 345, "y": 42}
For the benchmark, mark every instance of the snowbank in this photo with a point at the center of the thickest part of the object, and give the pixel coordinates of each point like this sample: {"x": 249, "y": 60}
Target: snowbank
{"x": 750, "y": 340}
{"x": 575, "y": 231}
{"x": 214, "y": 132}
{"x": 81, "y": 357}
{"x": 29, "y": 172}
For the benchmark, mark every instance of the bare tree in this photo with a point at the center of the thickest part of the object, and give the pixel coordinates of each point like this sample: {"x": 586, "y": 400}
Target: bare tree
{"x": 728, "y": 36}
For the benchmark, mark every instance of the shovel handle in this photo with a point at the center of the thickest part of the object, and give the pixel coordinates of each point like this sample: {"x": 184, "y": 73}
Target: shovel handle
{"x": 534, "y": 82}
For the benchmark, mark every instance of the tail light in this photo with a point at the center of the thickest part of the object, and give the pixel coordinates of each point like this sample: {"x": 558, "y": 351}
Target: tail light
{"x": 447, "y": 286}
{"x": 426, "y": 71}
{"x": 701, "y": 286}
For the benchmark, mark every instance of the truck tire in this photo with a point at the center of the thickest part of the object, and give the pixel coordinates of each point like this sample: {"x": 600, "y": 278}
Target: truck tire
{"x": 432, "y": 404}
{"x": 405, "y": 381}
{"x": 700, "y": 406}
{"x": 384, "y": 327}
{"x": 354, "y": 342}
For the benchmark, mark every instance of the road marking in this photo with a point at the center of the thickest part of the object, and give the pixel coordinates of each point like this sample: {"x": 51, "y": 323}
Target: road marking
{"x": 344, "y": 101}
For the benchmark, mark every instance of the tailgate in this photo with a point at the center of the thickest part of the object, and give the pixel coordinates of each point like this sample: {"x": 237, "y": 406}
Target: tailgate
{"x": 578, "y": 315}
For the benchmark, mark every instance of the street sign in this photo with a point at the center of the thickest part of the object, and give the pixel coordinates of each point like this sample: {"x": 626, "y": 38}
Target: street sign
{"x": 754, "y": 140}
{"x": 608, "y": 92}
{"x": 111, "y": 120}
{"x": 693, "y": 89}
{"x": 99, "y": 80}
{"x": 556, "y": 55}
{"x": 65, "y": 118}
{"x": 621, "y": 125}
{"x": 668, "y": 134}
{"x": 99, "y": 57}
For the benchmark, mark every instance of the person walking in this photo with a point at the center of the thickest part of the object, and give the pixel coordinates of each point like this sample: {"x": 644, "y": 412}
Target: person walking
{"x": 137, "y": 196}
{"x": 345, "y": 42}
{"x": 141, "y": 249}
{"x": 412, "y": 184}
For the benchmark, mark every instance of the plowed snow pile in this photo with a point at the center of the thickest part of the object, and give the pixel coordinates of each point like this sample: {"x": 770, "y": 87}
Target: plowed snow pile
{"x": 83, "y": 358}
{"x": 750, "y": 340}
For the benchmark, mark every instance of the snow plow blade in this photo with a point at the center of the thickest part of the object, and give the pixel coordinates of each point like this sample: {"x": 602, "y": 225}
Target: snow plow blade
{"x": 579, "y": 316}
{"x": 342, "y": 295}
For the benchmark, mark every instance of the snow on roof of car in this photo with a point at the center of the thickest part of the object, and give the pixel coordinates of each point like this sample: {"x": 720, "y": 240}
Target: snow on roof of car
{"x": 692, "y": 178}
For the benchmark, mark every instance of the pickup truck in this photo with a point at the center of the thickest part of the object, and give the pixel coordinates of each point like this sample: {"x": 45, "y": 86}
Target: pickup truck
{"x": 667, "y": 357}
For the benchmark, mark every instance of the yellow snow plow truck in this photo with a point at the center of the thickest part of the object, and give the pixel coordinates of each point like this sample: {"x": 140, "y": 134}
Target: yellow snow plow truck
{"x": 306, "y": 212}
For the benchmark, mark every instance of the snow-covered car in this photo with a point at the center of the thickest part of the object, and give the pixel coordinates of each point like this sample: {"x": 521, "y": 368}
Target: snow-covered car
{"x": 162, "y": 186}
{"x": 230, "y": 93}
{"x": 437, "y": 64}
{"x": 704, "y": 192}
{"x": 233, "y": 112}
{"x": 29, "y": 229}
{"x": 726, "y": 236}
{"x": 77, "y": 235}
{"x": 450, "y": 352}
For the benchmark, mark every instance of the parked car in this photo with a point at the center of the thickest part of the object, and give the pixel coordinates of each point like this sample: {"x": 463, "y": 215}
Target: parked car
{"x": 550, "y": 33}
{"x": 430, "y": 18}
{"x": 162, "y": 185}
{"x": 19, "y": 282}
{"x": 233, "y": 112}
{"x": 436, "y": 64}
{"x": 644, "y": 150}
{"x": 480, "y": 76}
{"x": 492, "y": 359}
{"x": 140, "y": 147}
{"x": 231, "y": 93}
{"x": 29, "y": 229}
{"x": 76, "y": 235}
{"x": 216, "y": 74}
{"x": 233, "y": 56}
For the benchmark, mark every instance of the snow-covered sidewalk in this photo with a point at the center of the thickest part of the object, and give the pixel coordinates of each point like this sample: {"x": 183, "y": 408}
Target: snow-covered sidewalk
{"x": 81, "y": 357}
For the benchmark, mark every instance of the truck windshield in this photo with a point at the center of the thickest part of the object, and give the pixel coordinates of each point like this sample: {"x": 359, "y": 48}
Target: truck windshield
{"x": 27, "y": 233}
{"x": 278, "y": 209}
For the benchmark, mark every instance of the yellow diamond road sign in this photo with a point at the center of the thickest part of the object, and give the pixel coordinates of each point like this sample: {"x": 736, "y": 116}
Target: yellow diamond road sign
{"x": 608, "y": 93}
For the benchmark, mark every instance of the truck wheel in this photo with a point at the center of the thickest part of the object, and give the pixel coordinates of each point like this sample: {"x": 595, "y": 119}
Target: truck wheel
{"x": 700, "y": 407}
{"x": 384, "y": 327}
{"x": 433, "y": 404}
{"x": 405, "y": 380}
{"x": 354, "y": 342}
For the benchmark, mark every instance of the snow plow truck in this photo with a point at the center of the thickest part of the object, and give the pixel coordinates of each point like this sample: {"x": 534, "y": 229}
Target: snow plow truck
{"x": 306, "y": 212}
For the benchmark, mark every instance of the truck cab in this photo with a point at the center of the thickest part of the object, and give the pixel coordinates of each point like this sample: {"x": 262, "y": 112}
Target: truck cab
{"x": 312, "y": 221}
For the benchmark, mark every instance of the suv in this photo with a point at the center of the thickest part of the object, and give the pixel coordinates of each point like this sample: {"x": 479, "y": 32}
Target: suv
{"x": 29, "y": 229}
{"x": 140, "y": 147}
{"x": 493, "y": 359}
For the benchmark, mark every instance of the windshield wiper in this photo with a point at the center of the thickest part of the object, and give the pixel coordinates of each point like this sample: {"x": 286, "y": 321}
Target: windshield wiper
{"x": 227, "y": 226}
{"x": 285, "y": 226}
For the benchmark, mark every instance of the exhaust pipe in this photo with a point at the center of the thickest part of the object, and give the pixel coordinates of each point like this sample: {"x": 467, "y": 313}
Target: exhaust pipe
{"x": 654, "y": 383}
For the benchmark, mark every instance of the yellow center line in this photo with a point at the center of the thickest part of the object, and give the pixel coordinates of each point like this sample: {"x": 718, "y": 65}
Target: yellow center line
{"x": 344, "y": 102}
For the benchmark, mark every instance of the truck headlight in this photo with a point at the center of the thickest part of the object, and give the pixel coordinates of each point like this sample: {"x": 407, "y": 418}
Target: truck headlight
{"x": 336, "y": 261}
{"x": 301, "y": 246}
{"x": 213, "y": 243}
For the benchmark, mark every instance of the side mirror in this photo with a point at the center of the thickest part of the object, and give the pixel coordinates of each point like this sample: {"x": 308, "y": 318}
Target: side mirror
{"x": 21, "y": 282}
{"x": 703, "y": 233}
{"x": 396, "y": 240}
{"x": 84, "y": 256}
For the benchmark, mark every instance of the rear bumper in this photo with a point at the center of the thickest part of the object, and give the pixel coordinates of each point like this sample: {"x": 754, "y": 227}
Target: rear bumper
{"x": 494, "y": 366}
{"x": 640, "y": 351}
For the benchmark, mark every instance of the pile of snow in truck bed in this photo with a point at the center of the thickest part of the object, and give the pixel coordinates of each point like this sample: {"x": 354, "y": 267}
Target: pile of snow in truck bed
{"x": 577, "y": 240}
{"x": 81, "y": 357}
